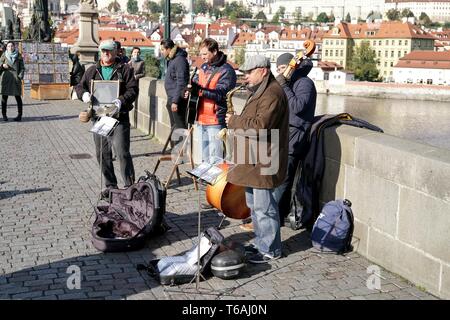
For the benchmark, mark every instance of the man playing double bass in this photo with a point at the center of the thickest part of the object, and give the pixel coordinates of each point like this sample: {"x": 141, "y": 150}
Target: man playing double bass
{"x": 264, "y": 120}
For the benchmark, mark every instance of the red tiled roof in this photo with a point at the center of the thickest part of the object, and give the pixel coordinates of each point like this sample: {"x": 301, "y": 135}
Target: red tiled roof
{"x": 317, "y": 35}
{"x": 425, "y": 60}
{"x": 199, "y": 26}
{"x": 329, "y": 65}
{"x": 441, "y": 35}
{"x": 65, "y": 34}
{"x": 397, "y": 29}
{"x": 127, "y": 38}
{"x": 243, "y": 37}
{"x": 386, "y": 29}
{"x": 268, "y": 28}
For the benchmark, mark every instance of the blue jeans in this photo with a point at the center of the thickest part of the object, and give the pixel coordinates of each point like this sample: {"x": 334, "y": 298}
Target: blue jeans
{"x": 211, "y": 146}
{"x": 263, "y": 204}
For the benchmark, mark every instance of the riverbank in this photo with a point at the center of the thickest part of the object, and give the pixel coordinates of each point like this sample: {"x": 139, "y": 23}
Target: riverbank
{"x": 386, "y": 90}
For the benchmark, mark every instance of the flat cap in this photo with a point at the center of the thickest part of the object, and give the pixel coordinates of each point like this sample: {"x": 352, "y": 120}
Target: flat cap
{"x": 107, "y": 45}
{"x": 254, "y": 62}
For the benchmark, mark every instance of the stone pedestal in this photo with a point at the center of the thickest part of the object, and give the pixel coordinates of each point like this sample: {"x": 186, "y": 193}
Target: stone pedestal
{"x": 88, "y": 42}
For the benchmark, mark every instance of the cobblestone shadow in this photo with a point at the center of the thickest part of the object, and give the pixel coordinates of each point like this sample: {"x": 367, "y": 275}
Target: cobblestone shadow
{"x": 12, "y": 193}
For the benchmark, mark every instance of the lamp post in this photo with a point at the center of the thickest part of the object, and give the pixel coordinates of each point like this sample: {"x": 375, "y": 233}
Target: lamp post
{"x": 166, "y": 35}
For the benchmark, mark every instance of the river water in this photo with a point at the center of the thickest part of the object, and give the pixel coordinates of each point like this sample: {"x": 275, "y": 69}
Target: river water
{"x": 422, "y": 121}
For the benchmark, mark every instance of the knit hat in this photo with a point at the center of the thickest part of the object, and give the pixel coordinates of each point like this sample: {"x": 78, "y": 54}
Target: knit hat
{"x": 284, "y": 59}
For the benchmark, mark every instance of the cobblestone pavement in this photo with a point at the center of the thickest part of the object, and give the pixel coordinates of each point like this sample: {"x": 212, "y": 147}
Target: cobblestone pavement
{"x": 46, "y": 205}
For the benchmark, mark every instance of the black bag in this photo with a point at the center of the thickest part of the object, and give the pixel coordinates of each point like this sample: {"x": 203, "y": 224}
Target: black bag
{"x": 177, "y": 270}
{"x": 132, "y": 215}
{"x": 298, "y": 216}
{"x": 229, "y": 264}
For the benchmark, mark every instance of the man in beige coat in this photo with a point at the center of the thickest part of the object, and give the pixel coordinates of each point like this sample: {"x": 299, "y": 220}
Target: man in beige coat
{"x": 260, "y": 155}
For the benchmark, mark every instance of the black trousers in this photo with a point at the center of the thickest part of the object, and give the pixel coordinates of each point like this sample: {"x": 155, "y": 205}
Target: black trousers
{"x": 177, "y": 119}
{"x": 19, "y": 105}
{"x": 120, "y": 138}
{"x": 284, "y": 206}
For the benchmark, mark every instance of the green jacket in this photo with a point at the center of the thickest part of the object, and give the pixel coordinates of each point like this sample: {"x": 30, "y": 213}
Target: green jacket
{"x": 11, "y": 78}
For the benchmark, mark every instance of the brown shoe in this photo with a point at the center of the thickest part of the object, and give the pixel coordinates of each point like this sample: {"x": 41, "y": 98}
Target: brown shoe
{"x": 247, "y": 226}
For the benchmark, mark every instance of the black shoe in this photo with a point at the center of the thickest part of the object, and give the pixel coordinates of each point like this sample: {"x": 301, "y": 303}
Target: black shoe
{"x": 206, "y": 206}
{"x": 18, "y": 118}
{"x": 261, "y": 258}
{"x": 285, "y": 221}
{"x": 105, "y": 193}
{"x": 250, "y": 249}
{"x": 5, "y": 118}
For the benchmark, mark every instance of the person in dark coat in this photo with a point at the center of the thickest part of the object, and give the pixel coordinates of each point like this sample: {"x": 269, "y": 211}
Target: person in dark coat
{"x": 121, "y": 54}
{"x": 301, "y": 93}
{"x": 176, "y": 80}
{"x": 77, "y": 69}
{"x": 137, "y": 63}
{"x": 108, "y": 68}
{"x": 12, "y": 70}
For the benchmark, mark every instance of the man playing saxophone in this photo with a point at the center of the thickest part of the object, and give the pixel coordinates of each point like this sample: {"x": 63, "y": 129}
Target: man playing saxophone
{"x": 265, "y": 120}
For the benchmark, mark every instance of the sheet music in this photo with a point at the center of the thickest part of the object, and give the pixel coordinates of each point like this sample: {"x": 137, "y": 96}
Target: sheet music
{"x": 104, "y": 126}
{"x": 186, "y": 263}
{"x": 192, "y": 255}
{"x": 207, "y": 172}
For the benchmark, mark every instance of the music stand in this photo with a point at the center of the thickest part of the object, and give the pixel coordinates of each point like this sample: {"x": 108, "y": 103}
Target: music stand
{"x": 175, "y": 167}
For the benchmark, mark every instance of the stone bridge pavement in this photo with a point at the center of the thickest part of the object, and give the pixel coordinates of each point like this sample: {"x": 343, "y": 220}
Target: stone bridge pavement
{"x": 46, "y": 205}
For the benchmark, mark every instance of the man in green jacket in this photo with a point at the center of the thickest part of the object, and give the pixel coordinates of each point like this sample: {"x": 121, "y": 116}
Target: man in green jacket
{"x": 108, "y": 68}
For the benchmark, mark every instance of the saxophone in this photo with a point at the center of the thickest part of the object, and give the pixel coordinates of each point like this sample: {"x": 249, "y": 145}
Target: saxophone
{"x": 224, "y": 134}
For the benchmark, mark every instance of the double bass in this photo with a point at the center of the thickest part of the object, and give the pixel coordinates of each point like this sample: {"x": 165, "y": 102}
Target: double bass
{"x": 225, "y": 196}
{"x": 310, "y": 47}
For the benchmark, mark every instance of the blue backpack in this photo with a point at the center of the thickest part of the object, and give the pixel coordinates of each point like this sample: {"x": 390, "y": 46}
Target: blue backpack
{"x": 333, "y": 229}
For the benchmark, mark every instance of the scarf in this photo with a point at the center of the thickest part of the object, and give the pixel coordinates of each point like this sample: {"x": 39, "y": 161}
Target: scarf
{"x": 11, "y": 56}
{"x": 136, "y": 59}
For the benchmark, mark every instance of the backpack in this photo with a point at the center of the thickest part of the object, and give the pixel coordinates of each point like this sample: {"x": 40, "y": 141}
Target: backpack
{"x": 333, "y": 229}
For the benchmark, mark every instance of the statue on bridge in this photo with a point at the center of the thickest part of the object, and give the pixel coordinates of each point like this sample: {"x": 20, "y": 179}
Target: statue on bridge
{"x": 92, "y": 3}
{"x": 17, "y": 31}
{"x": 9, "y": 30}
{"x": 39, "y": 26}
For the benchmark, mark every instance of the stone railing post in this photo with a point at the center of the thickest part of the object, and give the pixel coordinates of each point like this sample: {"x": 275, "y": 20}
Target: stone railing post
{"x": 88, "y": 42}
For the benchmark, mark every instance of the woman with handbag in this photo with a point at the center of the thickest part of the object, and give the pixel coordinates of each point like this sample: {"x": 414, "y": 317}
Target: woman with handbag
{"x": 11, "y": 74}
